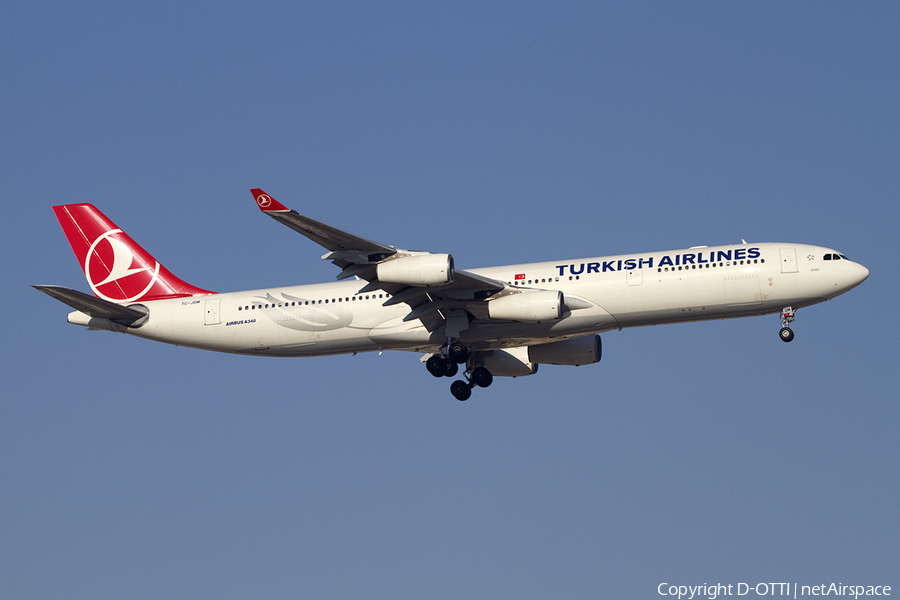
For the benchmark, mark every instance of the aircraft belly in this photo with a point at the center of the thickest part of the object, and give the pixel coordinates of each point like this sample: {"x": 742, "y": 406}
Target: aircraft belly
{"x": 397, "y": 333}
{"x": 579, "y": 322}
{"x": 696, "y": 297}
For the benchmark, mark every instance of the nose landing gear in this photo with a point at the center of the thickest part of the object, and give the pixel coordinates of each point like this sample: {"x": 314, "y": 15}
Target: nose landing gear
{"x": 787, "y": 317}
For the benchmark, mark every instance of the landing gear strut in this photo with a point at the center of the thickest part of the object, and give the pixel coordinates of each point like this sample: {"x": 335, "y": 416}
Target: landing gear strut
{"x": 476, "y": 376}
{"x": 457, "y": 353}
{"x": 787, "y": 317}
{"x": 447, "y": 365}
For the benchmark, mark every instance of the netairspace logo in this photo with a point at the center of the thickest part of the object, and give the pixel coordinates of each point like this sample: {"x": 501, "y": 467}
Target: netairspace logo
{"x": 771, "y": 589}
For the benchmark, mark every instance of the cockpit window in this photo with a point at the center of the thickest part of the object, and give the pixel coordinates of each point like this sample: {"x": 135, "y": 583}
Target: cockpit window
{"x": 834, "y": 257}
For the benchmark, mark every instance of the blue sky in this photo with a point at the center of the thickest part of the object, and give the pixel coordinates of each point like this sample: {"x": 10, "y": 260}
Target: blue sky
{"x": 503, "y": 133}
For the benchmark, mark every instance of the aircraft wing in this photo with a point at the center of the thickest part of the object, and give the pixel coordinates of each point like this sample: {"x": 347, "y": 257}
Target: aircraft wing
{"x": 346, "y": 248}
{"x": 91, "y": 305}
{"x": 363, "y": 258}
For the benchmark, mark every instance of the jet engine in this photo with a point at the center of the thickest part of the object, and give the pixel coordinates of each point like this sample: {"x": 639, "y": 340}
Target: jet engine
{"x": 529, "y": 307}
{"x": 574, "y": 352}
{"x": 419, "y": 270}
{"x": 511, "y": 362}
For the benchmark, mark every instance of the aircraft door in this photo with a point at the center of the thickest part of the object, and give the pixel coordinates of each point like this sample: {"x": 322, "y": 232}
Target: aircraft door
{"x": 212, "y": 316}
{"x": 788, "y": 260}
{"x": 635, "y": 277}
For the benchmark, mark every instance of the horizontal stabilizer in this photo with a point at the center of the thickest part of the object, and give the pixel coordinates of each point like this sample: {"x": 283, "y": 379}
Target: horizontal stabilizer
{"x": 93, "y": 306}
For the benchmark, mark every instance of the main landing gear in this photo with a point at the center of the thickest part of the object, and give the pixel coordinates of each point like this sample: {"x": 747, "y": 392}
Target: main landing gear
{"x": 479, "y": 376}
{"x": 447, "y": 365}
{"x": 787, "y": 317}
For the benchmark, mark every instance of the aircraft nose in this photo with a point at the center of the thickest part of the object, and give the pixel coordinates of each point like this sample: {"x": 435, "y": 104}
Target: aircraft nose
{"x": 854, "y": 274}
{"x": 861, "y": 273}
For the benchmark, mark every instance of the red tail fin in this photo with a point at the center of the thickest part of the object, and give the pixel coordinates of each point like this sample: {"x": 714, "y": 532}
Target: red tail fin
{"x": 116, "y": 267}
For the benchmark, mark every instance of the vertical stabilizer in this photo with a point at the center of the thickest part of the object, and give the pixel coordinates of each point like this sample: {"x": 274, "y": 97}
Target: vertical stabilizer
{"x": 116, "y": 267}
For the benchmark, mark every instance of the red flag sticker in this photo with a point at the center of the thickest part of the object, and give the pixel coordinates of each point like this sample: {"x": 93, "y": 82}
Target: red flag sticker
{"x": 520, "y": 276}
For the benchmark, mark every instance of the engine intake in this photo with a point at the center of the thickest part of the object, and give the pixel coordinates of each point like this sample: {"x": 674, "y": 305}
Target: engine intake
{"x": 419, "y": 270}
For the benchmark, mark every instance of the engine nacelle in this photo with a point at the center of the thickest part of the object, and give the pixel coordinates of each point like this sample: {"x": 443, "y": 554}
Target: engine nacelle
{"x": 574, "y": 352}
{"x": 529, "y": 307}
{"x": 420, "y": 270}
{"x": 511, "y": 362}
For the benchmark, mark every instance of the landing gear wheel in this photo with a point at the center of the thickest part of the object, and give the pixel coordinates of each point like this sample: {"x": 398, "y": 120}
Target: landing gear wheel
{"x": 436, "y": 365}
{"x": 787, "y": 317}
{"x": 482, "y": 377}
{"x": 460, "y": 390}
{"x": 452, "y": 369}
{"x": 457, "y": 353}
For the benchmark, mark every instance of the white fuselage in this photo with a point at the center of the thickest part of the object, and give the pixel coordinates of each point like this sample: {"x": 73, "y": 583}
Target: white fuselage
{"x": 603, "y": 294}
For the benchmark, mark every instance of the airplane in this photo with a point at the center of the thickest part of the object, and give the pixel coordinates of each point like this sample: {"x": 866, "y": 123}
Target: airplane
{"x": 492, "y": 322}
